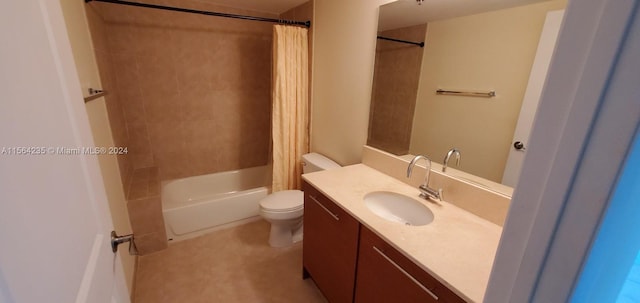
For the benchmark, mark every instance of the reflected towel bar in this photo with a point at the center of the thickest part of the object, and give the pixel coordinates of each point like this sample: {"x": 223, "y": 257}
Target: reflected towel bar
{"x": 488, "y": 94}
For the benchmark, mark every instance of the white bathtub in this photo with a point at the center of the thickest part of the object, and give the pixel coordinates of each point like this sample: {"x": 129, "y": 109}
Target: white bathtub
{"x": 197, "y": 205}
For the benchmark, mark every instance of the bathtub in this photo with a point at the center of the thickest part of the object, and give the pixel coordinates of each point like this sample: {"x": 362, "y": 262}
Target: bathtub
{"x": 197, "y": 205}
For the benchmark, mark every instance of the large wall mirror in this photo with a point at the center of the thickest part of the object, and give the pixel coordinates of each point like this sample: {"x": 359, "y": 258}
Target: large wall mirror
{"x": 469, "y": 46}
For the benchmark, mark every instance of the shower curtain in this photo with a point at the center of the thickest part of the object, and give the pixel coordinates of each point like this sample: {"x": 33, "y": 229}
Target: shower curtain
{"x": 290, "y": 108}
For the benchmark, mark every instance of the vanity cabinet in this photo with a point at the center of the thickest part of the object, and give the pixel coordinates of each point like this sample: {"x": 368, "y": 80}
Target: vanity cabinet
{"x": 330, "y": 246}
{"x": 336, "y": 247}
{"x": 385, "y": 275}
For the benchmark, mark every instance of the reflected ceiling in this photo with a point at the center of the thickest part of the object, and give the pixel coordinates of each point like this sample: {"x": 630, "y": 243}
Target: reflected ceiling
{"x": 266, "y": 6}
{"x": 403, "y": 13}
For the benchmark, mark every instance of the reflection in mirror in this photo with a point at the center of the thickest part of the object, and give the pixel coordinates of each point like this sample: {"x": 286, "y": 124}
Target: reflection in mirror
{"x": 395, "y": 88}
{"x": 468, "y": 47}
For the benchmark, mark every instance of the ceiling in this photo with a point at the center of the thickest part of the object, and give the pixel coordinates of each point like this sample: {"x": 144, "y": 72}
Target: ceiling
{"x": 403, "y": 13}
{"x": 265, "y": 6}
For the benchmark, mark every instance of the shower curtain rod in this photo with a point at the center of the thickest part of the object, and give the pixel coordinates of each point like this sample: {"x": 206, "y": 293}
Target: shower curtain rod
{"x": 193, "y": 11}
{"x": 421, "y": 44}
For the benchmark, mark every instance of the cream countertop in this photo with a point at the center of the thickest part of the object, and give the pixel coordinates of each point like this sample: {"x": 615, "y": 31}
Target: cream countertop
{"x": 457, "y": 248}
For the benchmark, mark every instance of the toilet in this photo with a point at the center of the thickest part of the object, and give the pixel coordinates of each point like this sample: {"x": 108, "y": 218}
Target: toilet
{"x": 284, "y": 209}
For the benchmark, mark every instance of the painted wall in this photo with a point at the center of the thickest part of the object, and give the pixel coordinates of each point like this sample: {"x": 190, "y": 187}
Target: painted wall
{"x": 343, "y": 57}
{"x": 489, "y": 51}
{"x": 195, "y": 90}
{"x": 86, "y": 66}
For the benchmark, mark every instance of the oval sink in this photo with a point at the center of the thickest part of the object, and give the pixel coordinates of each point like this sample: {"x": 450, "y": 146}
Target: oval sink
{"x": 398, "y": 208}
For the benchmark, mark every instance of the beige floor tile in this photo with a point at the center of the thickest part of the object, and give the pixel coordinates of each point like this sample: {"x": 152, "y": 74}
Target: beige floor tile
{"x": 232, "y": 265}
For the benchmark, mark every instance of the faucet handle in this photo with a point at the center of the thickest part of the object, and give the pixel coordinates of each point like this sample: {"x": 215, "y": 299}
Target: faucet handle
{"x": 427, "y": 192}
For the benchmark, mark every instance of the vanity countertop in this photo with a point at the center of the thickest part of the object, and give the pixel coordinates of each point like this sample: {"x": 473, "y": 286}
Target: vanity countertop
{"x": 457, "y": 248}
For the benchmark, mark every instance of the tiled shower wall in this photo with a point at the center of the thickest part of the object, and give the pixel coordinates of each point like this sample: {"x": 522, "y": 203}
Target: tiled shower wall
{"x": 194, "y": 90}
{"x": 395, "y": 88}
{"x": 113, "y": 103}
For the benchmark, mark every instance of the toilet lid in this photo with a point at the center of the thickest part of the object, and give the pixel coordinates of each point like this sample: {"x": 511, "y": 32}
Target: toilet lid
{"x": 286, "y": 200}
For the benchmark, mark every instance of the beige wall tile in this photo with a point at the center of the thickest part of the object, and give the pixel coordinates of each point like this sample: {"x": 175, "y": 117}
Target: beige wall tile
{"x": 147, "y": 224}
{"x": 151, "y": 41}
{"x": 194, "y": 91}
{"x": 141, "y": 175}
{"x": 203, "y": 162}
{"x": 125, "y": 69}
{"x": 138, "y": 138}
{"x": 162, "y": 107}
{"x": 198, "y": 135}
{"x": 157, "y": 75}
{"x": 166, "y": 137}
{"x": 97, "y": 28}
{"x": 197, "y": 104}
{"x": 146, "y": 215}
{"x": 173, "y": 165}
{"x": 142, "y": 160}
{"x": 133, "y": 109}
{"x": 195, "y": 72}
{"x": 138, "y": 190}
{"x": 150, "y": 243}
{"x": 120, "y": 38}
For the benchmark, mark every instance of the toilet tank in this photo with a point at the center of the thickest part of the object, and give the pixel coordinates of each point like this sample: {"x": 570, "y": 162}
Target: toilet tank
{"x": 316, "y": 162}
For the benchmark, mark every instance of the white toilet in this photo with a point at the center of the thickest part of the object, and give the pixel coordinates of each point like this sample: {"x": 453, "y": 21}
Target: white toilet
{"x": 284, "y": 209}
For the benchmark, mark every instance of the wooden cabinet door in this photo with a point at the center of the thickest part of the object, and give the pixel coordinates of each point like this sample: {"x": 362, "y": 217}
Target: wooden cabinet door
{"x": 330, "y": 246}
{"x": 385, "y": 275}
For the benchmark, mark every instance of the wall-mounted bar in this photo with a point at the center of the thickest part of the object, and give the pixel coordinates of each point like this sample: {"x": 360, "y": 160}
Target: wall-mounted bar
{"x": 421, "y": 44}
{"x": 488, "y": 94}
{"x": 94, "y": 94}
{"x": 193, "y": 11}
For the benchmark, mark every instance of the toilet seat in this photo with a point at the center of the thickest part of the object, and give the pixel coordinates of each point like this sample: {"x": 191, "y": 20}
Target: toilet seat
{"x": 283, "y": 201}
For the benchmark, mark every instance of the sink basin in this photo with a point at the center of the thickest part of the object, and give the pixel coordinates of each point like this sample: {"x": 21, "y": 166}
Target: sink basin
{"x": 398, "y": 208}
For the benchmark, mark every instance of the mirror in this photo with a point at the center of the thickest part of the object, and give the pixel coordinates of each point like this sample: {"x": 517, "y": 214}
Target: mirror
{"x": 470, "y": 46}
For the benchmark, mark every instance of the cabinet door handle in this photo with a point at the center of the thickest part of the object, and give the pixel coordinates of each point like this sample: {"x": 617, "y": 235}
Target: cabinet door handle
{"x": 324, "y": 207}
{"x": 406, "y": 273}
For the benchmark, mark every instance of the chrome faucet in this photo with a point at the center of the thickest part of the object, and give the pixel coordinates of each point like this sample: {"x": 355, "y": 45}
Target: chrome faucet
{"x": 426, "y": 192}
{"x": 451, "y": 152}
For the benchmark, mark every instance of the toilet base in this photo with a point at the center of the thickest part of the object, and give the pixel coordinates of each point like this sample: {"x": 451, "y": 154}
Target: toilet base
{"x": 284, "y": 236}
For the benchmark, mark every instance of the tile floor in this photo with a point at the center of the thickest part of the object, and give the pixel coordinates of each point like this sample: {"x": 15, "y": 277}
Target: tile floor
{"x": 231, "y": 265}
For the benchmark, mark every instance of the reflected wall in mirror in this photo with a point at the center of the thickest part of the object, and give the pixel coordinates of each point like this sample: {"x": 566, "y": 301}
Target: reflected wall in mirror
{"x": 395, "y": 88}
{"x": 468, "y": 47}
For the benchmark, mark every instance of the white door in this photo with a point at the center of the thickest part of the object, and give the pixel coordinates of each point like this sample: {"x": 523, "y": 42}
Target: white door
{"x": 532, "y": 97}
{"x": 54, "y": 218}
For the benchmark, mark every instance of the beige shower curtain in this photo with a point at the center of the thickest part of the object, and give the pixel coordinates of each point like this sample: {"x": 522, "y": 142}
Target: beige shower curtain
{"x": 290, "y": 108}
